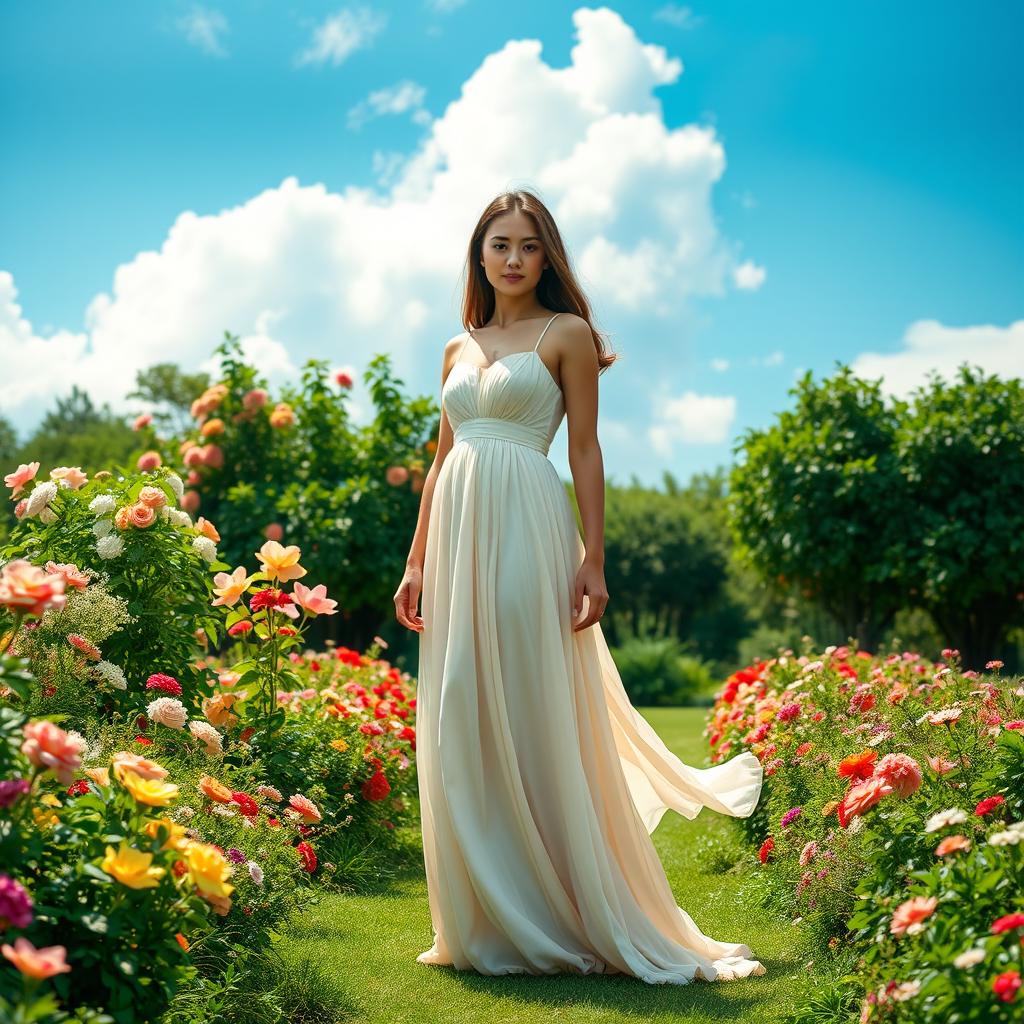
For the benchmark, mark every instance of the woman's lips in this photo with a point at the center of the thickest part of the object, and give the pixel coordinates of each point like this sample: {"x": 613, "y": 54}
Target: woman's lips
{"x": 513, "y": 277}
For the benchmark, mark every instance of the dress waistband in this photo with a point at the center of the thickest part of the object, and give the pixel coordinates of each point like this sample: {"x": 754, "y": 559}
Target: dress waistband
{"x": 502, "y": 430}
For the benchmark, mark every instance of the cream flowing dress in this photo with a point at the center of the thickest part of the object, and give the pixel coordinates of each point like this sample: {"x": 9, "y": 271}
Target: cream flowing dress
{"x": 539, "y": 783}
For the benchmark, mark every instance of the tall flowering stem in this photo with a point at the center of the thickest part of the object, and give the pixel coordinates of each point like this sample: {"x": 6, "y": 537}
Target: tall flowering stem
{"x": 269, "y": 622}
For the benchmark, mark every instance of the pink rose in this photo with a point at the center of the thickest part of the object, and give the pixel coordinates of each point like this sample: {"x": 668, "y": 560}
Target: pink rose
{"x": 141, "y": 515}
{"x": 148, "y": 461}
{"x": 21, "y": 476}
{"x": 194, "y": 456}
{"x": 274, "y": 531}
{"x": 396, "y": 475}
{"x": 213, "y": 456}
{"x": 48, "y": 746}
{"x": 142, "y": 421}
{"x": 154, "y": 497}
{"x": 71, "y": 475}
{"x": 28, "y": 590}
{"x": 190, "y": 501}
{"x": 255, "y": 399}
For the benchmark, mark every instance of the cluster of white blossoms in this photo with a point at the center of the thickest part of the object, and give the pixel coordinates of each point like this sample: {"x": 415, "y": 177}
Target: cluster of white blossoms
{"x": 206, "y": 548}
{"x": 209, "y": 736}
{"x": 111, "y": 673}
{"x": 953, "y": 816}
{"x": 1012, "y": 835}
{"x": 38, "y": 502}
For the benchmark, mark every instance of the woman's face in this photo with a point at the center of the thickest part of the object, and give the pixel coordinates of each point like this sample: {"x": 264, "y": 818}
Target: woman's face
{"x": 513, "y": 255}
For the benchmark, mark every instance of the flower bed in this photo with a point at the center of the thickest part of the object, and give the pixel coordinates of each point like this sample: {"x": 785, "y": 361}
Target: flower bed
{"x": 891, "y": 824}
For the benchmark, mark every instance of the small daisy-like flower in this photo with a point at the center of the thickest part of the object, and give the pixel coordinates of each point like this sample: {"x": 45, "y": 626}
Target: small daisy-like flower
{"x": 111, "y": 674}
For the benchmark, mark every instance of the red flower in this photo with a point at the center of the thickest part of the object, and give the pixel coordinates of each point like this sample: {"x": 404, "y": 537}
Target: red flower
{"x": 159, "y": 681}
{"x": 269, "y": 597}
{"x": 273, "y": 823}
{"x": 858, "y": 766}
{"x": 145, "y": 740}
{"x": 78, "y": 787}
{"x": 240, "y": 628}
{"x": 376, "y": 787}
{"x": 766, "y": 847}
{"x": 286, "y": 631}
{"x": 307, "y": 855}
{"x": 246, "y": 804}
{"x": 1005, "y": 985}
{"x": 1007, "y": 923}
{"x": 989, "y": 804}
{"x": 179, "y": 868}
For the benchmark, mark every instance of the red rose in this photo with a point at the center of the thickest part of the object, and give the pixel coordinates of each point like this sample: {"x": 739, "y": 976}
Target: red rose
{"x": 376, "y": 787}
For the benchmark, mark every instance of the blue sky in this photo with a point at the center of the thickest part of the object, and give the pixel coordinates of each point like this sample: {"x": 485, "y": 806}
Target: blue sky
{"x": 852, "y": 192}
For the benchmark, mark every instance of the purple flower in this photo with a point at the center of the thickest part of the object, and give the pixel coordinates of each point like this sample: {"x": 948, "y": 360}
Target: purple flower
{"x": 791, "y": 815}
{"x": 11, "y": 789}
{"x": 236, "y": 855}
{"x": 15, "y": 904}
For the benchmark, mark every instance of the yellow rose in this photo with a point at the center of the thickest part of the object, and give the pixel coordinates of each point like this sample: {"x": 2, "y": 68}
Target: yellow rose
{"x": 339, "y": 744}
{"x": 131, "y": 867}
{"x": 152, "y": 792}
{"x": 208, "y": 869}
{"x": 176, "y": 840}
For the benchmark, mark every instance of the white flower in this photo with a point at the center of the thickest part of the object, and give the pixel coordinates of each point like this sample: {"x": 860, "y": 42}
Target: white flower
{"x": 906, "y": 990}
{"x": 223, "y": 810}
{"x": 953, "y": 816}
{"x": 110, "y": 547}
{"x": 47, "y": 515}
{"x": 184, "y": 812}
{"x": 103, "y": 504}
{"x": 40, "y": 497}
{"x": 176, "y": 484}
{"x": 206, "y": 548}
{"x": 206, "y": 732}
{"x": 176, "y": 517}
{"x": 255, "y": 872}
{"x": 970, "y": 958}
{"x": 1011, "y": 837}
{"x": 102, "y": 528}
{"x": 167, "y": 711}
{"x": 111, "y": 674}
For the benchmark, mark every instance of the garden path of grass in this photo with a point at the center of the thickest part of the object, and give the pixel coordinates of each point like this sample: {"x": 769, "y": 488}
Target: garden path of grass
{"x": 355, "y": 954}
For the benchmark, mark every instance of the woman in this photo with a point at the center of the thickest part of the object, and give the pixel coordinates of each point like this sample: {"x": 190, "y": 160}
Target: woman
{"x": 539, "y": 783}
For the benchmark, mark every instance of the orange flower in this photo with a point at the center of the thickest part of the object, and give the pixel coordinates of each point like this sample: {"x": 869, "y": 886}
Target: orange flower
{"x": 217, "y": 709}
{"x": 858, "y": 766}
{"x": 101, "y": 776}
{"x": 214, "y": 790}
{"x": 181, "y": 940}
{"x": 123, "y": 517}
{"x": 40, "y": 963}
{"x": 280, "y": 563}
{"x": 952, "y": 844}
{"x": 230, "y": 587}
{"x": 207, "y": 529}
{"x": 25, "y": 589}
{"x": 154, "y": 497}
{"x": 211, "y": 428}
{"x": 124, "y": 761}
{"x": 908, "y": 918}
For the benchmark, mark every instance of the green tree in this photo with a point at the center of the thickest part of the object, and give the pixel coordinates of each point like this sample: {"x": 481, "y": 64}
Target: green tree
{"x": 818, "y": 501}
{"x": 961, "y": 451}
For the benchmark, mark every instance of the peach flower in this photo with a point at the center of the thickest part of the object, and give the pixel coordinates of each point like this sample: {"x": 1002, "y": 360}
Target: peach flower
{"x": 148, "y": 461}
{"x": 230, "y": 588}
{"x": 902, "y": 772}
{"x": 273, "y": 531}
{"x": 280, "y": 563}
{"x": 48, "y": 746}
{"x": 141, "y": 515}
{"x": 123, "y": 517}
{"x": 314, "y": 601}
{"x": 44, "y": 962}
{"x": 190, "y": 501}
{"x": 304, "y": 808}
{"x": 212, "y": 428}
{"x": 71, "y": 475}
{"x": 125, "y": 760}
{"x": 215, "y": 790}
{"x": 255, "y": 399}
{"x": 909, "y": 916}
{"x": 21, "y": 476}
{"x": 213, "y": 456}
{"x": 396, "y": 475}
{"x": 952, "y": 844}
{"x": 27, "y": 590}
{"x": 941, "y": 765}
{"x": 142, "y": 421}
{"x": 154, "y": 497}
{"x": 73, "y": 576}
{"x": 193, "y": 456}
{"x": 282, "y": 416}
{"x": 861, "y": 797}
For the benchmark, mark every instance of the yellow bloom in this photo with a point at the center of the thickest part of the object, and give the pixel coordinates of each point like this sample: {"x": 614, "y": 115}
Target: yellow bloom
{"x": 176, "y": 840}
{"x": 339, "y": 744}
{"x": 279, "y": 562}
{"x": 101, "y": 776}
{"x": 152, "y": 792}
{"x": 208, "y": 869}
{"x": 131, "y": 867}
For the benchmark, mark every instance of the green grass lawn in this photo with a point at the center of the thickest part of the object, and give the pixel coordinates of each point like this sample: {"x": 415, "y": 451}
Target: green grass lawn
{"x": 353, "y": 957}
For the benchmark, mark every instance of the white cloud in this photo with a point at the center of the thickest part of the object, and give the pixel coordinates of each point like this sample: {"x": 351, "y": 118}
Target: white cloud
{"x": 691, "y": 418}
{"x": 721, "y": 365}
{"x": 930, "y": 345}
{"x": 445, "y": 6}
{"x": 301, "y": 272}
{"x": 341, "y": 35}
{"x": 203, "y": 27}
{"x": 679, "y": 16}
{"x": 748, "y": 276}
{"x": 401, "y": 98}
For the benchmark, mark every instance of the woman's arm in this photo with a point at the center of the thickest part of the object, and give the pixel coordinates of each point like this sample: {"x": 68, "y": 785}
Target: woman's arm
{"x": 578, "y": 368}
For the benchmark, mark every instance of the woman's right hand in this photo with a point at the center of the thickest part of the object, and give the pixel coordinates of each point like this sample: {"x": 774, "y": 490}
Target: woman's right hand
{"x": 406, "y": 598}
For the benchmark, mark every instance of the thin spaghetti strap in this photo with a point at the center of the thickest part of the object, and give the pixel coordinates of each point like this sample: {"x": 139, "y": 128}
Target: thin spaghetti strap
{"x": 545, "y": 331}
{"x": 458, "y": 358}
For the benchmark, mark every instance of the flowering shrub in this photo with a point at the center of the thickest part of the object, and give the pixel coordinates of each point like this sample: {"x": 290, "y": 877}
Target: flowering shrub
{"x": 295, "y": 468}
{"x": 141, "y": 566}
{"x": 892, "y": 817}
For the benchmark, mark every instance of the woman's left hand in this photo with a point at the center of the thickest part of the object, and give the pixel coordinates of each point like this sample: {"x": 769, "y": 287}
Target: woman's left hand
{"x": 589, "y": 581}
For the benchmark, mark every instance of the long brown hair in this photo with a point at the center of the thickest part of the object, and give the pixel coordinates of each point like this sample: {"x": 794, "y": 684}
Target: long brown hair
{"x": 558, "y": 289}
